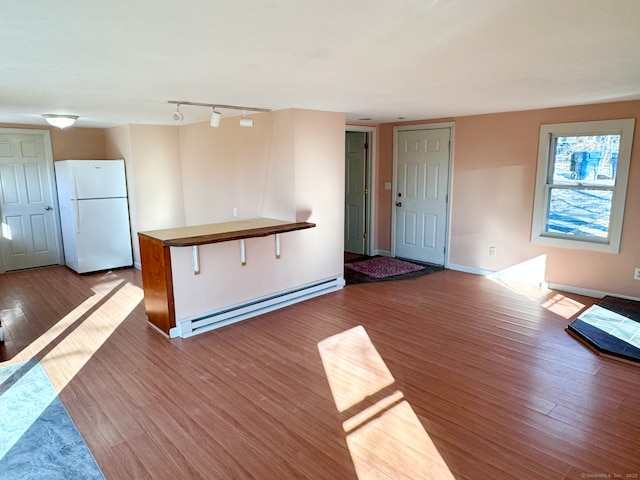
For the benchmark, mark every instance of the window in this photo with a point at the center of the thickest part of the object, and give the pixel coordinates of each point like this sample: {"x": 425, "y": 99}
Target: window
{"x": 581, "y": 184}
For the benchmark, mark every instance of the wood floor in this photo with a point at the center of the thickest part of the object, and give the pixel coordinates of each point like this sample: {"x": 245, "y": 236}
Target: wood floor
{"x": 451, "y": 375}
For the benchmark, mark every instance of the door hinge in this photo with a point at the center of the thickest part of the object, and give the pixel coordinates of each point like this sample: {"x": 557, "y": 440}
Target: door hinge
{"x": 446, "y": 198}
{"x": 444, "y": 250}
{"x": 366, "y": 145}
{"x": 366, "y": 191}
{"x": 365, "y": 235}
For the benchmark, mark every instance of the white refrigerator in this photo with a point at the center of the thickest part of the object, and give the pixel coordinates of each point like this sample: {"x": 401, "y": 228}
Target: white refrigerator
{"x": 94, "y": 214}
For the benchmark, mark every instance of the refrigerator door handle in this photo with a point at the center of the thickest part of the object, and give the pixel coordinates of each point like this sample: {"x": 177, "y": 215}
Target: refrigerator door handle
{"x": 76, "y": 213}
{"x": 75, "y": 184}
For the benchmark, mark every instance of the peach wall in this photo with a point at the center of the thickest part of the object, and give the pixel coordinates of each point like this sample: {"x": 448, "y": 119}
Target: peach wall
{"x": 152, "y": 158}
{"x": 319, "y": 185}
{"x": 494, "y": 170}
{"x": 118, "y": 145}
{"x": 158, "y": 176}
{"x": 72, "y": 143}
{"x": 384, "y": 173}
{"x": 78, "y": 143}
{"x": 289, "y": 166}
{"x": 249, "y": 169}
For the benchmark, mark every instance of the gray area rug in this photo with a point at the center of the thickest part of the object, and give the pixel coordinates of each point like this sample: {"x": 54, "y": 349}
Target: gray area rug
{"x": 38, "y": 439}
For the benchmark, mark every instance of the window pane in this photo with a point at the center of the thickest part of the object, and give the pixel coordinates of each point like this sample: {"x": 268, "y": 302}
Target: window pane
{"x": 586, "y": 159}
{"x": 580, "y": 212}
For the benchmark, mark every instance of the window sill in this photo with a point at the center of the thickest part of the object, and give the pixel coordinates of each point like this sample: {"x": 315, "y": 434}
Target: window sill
{"x": 609, "y": 247}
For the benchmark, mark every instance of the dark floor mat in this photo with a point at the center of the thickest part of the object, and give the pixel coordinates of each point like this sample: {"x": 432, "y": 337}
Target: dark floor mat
{"x": 352, "y": 277}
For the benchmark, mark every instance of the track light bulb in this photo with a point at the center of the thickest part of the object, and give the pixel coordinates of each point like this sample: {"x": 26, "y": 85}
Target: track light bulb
{"x": 215, "y": 118}
{"x": 177, "y": 116}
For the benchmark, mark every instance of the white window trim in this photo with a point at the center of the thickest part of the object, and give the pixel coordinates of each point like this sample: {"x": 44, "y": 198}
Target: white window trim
{"x": 624, "y": 128}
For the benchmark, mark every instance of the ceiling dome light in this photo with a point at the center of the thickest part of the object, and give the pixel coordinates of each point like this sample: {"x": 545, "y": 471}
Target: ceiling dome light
{"x": 60, "y": 121}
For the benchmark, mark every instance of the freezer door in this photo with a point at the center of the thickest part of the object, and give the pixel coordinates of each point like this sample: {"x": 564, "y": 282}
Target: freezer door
{"x": 103, "y": 236}
{"x": 97, "y": 179}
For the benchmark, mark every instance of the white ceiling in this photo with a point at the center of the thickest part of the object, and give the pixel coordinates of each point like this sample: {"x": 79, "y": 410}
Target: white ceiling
{"x": 118, "y": 62}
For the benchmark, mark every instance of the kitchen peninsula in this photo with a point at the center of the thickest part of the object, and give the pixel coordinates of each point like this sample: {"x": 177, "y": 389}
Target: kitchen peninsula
{"x": 158, "y": 264}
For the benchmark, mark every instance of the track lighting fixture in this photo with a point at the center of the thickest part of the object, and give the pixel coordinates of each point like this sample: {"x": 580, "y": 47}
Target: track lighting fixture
{"x": 177, "y": 116}
{"x": 215, "y": 114}
{"x": 215, "y": 118}
{"x": 60, "y": 121}
{"x": 246, "y": 122}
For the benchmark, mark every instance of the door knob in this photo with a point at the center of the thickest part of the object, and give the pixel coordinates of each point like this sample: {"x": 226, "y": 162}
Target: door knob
{"x": 48, "y": 207}
{"x": 398, "y": 204}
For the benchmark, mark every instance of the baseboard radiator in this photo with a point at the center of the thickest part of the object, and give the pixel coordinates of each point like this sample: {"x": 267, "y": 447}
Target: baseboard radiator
{"x": 188, "y": 328}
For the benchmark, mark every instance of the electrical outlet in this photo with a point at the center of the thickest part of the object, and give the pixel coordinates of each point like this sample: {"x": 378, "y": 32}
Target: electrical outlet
{"x": 235, "y": 212}
{"x": 637, "y": 274}
{"x": 492, "y": 250}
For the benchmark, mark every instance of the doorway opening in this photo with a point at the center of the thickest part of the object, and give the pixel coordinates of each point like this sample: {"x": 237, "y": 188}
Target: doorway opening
{"x": 359, "y": 190}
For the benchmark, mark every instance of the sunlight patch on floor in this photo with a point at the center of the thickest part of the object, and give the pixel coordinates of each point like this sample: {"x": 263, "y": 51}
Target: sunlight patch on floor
{"x": 395, "y": 445}
{"x": 65, "y": 348}
{"x": 66, "y": 359}
{"x": 526, "y": 278}
{"x": 385, "y": 439}
{"x": 369, "y": 413}
{"x": 353, "y": 367}
{"x": 563, "y": 306}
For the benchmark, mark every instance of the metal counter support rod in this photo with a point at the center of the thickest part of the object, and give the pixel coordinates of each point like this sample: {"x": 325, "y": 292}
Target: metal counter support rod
{"x": 277, "y": 245}
{"x": 243, "y": 255}
{"x": 196, "y": 261}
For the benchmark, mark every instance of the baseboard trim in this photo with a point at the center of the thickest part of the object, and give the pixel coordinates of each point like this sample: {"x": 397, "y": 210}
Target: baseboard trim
{"x": 587, "y": 292}
{"x": 466, "y": 269}
{"x": 384, "y": 253}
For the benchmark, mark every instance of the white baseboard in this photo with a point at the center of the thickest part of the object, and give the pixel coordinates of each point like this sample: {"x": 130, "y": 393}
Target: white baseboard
{"x": 384, "y": 253}
{"x": 587, "y": 292}
{"x": 466, "y": 269}
{"x": 137, "y": 265}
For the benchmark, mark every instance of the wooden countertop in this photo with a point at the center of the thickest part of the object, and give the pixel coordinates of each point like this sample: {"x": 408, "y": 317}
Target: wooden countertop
{"x": 224, "y": 232}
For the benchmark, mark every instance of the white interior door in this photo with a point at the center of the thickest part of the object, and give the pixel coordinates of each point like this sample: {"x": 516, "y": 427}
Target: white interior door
{"x": 355, "y": 192}
{"x": 421, "y": 196}
{"x": 30, "y": 233}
